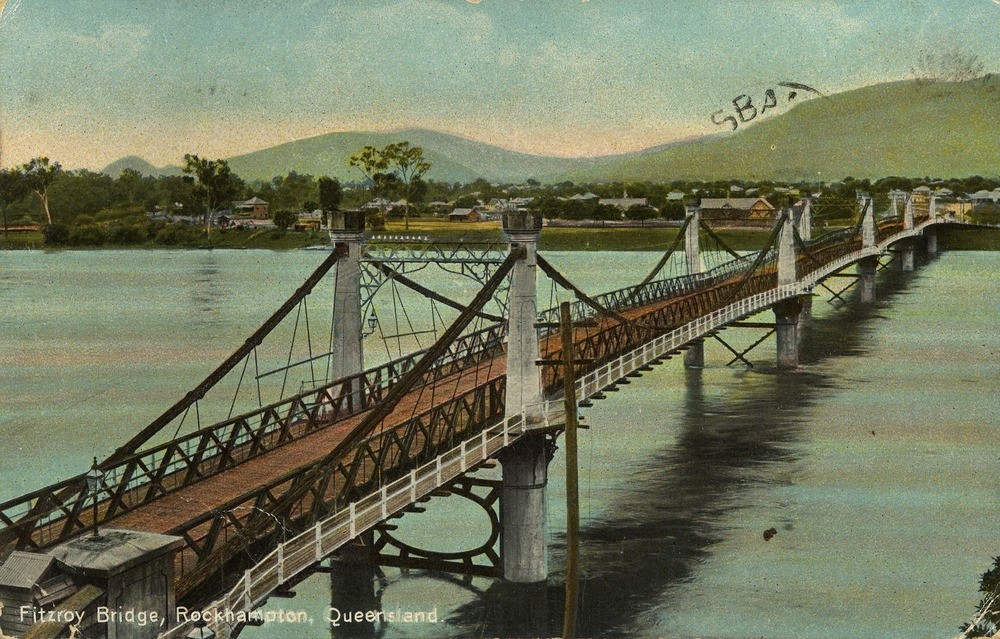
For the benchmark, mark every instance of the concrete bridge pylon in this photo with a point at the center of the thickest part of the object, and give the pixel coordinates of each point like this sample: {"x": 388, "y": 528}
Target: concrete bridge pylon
{"x": 347, "y": 228}
{"x": 787, "y": 312}
{"x": 694, "y": 356}
{"x": 523, "y": 513}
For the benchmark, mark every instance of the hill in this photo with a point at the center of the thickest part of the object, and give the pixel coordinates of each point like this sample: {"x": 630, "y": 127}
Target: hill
{"x": 453, "y": 158}
{"x": 908, "y": 128}
{"x": 138, "y": 164}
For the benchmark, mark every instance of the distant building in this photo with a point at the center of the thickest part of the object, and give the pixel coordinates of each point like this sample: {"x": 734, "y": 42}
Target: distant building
{"x": 254, "y": 208}
{"x": 584, "y": 196}
{"x": 310, "y": 220}
{"x": 464, "y": 215}
{"x": 623, "y": 203}
{"x": 985, "y": 197}
{"x": 675, "y": 196}
{"x": 738, "y": 212}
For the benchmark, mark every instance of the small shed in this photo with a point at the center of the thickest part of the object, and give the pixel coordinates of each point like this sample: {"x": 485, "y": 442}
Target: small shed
{"x": 31, "y": 580}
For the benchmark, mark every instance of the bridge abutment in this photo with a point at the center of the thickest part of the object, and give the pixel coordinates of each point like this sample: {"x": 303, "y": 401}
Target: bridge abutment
{"x": 110, "y": 587}
{"x": 694, "y": 356}
{"x": 347, "y": 228}
{"x": 523, "y": 514}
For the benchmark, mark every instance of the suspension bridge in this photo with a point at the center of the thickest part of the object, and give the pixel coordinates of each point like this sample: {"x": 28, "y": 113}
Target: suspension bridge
{"x": 224, "y": 516}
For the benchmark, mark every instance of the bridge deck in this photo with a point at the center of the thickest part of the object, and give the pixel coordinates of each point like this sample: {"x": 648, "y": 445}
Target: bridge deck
{"x": 170, "y": 512}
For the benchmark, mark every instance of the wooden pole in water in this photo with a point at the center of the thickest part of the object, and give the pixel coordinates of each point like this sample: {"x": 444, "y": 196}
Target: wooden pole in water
{"x": 572, "y": 475}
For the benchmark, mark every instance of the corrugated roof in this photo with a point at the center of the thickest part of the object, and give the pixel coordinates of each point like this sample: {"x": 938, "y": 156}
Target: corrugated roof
{"x": 24, "y": 569}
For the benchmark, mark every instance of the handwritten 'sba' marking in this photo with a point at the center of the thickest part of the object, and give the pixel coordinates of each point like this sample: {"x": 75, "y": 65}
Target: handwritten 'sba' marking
{"x": 746, "y": 110}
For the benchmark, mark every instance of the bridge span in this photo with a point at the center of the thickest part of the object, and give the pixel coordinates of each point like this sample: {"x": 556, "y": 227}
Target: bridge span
{"x": 237, "y": 511}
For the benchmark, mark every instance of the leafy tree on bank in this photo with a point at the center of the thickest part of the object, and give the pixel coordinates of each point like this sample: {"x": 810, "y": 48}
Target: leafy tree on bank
{"x": 216, "y": 181}
{"x": 39, "y": 174}
{"x": 640, "y": 213}
{"x": 284, "y": 219}
{"x": 331, "y": 193}
{"x": 80, "y": 192}
{"x": 291, "y": 191}
{"x": 372, "y": 164}
{"x": 673, "y": 210}
{"x": 409, "y": 166}
{"x": 12, "y": 188}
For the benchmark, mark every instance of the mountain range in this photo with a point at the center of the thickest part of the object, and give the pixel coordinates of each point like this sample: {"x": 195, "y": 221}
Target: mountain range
{"x": 908, "y": 128}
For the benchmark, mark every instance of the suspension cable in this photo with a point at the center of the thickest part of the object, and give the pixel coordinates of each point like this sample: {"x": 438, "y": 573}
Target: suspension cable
{"x": 213, "y": 378}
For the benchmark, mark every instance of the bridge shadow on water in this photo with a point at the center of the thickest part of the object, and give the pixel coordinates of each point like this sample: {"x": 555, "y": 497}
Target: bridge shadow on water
{"x": 665, "y": 522}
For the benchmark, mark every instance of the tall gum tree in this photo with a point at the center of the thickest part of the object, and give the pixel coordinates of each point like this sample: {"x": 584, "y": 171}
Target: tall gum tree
{"x": 217, "y": 182}
{"x": 38, "y": 176}
{"x": 409, "y": 165}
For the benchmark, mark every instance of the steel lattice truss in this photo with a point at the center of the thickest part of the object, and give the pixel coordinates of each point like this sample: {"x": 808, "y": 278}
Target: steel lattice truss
{"x": 474, "y": 261}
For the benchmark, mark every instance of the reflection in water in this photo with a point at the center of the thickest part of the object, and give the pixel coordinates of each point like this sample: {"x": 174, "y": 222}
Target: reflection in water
{"x": 663, "y": 527}
{"x": 208, "y": 291}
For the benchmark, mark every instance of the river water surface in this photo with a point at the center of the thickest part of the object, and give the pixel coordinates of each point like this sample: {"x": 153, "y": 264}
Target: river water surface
{"x": 876, "y": 462}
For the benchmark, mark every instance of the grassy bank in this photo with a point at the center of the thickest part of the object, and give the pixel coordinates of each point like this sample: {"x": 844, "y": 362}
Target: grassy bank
{"x": 969, "y": 239}
{"x": 553, "y": 238}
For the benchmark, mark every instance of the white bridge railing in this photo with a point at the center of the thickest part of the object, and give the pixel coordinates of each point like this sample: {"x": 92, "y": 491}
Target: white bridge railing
{"x": 299, "y": 554}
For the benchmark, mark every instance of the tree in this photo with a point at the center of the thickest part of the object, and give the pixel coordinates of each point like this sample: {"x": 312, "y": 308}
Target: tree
{"x": 292, "y": 190}
{"x": 216, "y": 181}
{"x": 409, "y": 166}
{"x": 284, "y": 219}
{"x": 39, "y": 174}
{"x": 673, "y": 210}
{"x": 330, "y": 194}
{"x": 373, "y": 164}
{"x": 12, "y": 188}
{"x": 641, "y": 212}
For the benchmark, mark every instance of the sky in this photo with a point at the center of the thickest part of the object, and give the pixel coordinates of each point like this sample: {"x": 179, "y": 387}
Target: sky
{"x": 87, "y": 82}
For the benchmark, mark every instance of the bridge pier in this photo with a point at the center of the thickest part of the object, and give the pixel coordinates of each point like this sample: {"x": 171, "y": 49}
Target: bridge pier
{"x": 347, "y": 228}
{"x": 787, "y": 312}
{"x": 694, "y": 356}
{"x": 906, "y": 255}
{"x": 786, "y": 319}
{"x": 352, "y": 586}
{"x": 930, "y": 234}
{"x": 867, "y": 268}
{"x": 523, "y": 513}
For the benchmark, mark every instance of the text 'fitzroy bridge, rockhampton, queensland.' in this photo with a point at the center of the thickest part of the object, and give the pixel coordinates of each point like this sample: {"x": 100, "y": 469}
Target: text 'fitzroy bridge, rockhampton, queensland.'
{"x": 227, "y": 515}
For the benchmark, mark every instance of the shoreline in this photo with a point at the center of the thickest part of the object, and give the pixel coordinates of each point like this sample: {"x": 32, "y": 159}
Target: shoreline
{"x": 554, "y": 238}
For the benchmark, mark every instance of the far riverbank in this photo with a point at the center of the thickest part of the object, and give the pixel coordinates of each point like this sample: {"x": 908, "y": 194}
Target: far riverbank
{"x": 555, "y": 238}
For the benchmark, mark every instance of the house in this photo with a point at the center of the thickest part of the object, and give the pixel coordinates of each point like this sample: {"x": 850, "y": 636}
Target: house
{"x": 623, "y": 203}
{"x": 675, "y": 196}
{"x": 310, "y": 220}
{"x": 464, "y": 215}
{"x": 754, "y": 212}
{"x": 254, "y": 208}
{"x": 584, "y": 196}
{"x": 985, "y": 197}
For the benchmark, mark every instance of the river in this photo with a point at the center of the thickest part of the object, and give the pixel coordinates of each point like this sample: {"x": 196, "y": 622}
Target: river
{"x": 875, "y": 462}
